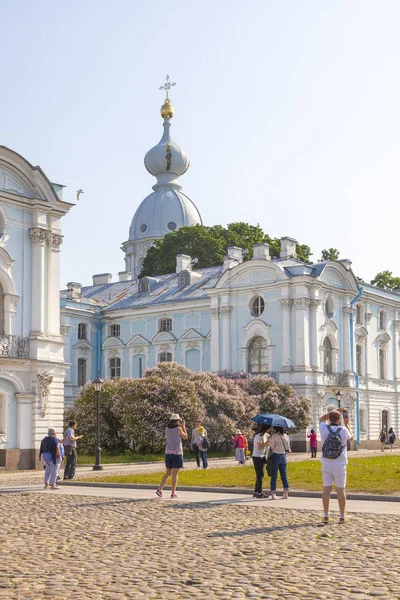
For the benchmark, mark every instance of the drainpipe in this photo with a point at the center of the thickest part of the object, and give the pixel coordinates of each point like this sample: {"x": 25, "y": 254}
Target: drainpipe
{"x": 356, "y": 376}
{"x": 99, "y": 325}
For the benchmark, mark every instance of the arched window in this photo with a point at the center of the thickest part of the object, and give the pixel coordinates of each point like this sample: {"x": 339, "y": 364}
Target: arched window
{"x": 82, "y": 372}
{"x": 385, "y": 420}
{"x": 82, "y": 331}
{"x": 165, "y": 357}
{"x": 329, "y": 307}
{"x": 165, "y": 325}
{"x": 257, "y": 306}
{"x": 359, "y": 314}
{"x": 382, "y": 319}
{"x": 258, "y": 355}
{"x": 2, "y": 311}
{"x": 328, "y": 363}
{"x": 114, "y": 368}
{"x": 382, "y": 363}
{"x": 359, "y": 368}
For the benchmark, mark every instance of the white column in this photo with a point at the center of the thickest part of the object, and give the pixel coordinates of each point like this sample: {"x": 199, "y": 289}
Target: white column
{"x": 314, "y": 304}
{"x": 215, "y": 362}
{"x": 53, "y": 283}
{"x": 225, "y": 312}
{"x": 38, "y": 237}
{"x": 396, "y": 350}
{"x": 302, "y": 351}
{"x": 346, "y": 339}
{"x": 286, "y": 346}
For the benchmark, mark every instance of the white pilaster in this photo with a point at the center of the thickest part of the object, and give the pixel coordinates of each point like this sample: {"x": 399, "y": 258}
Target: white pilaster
{"x": 215, "y": 361}
{"x": 225, "y": 312}
{"x": 302, "y": 349}
{"x": 53, "y": 297}
{"x": 396, "y": 350}
{"x": 38, "y": 237}
{"x": 314, "y": 304}
{"x": 346, "y": 339}
{"x": 25, "y": 403}
{"x": 286, "y": 346}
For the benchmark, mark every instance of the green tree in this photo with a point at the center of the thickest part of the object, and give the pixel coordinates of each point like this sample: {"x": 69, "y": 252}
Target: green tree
{"x": 386, "y": 281}
{"x": 209, "y": 246}
{"x": 331, "y": 254}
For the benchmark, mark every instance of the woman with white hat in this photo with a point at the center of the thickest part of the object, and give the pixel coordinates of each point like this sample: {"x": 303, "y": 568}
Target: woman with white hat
{"x": 175, "y": 432}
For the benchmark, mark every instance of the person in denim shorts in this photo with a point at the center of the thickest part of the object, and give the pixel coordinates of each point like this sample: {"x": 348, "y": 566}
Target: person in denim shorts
{"x": 175, "y": 432}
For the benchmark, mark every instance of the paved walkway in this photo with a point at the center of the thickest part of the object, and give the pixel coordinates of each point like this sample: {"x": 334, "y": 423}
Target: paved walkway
{"x": 118, "y": 544}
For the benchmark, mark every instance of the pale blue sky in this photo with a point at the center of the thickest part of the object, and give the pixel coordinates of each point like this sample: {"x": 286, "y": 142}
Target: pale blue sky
{"x": 288, "y": 110}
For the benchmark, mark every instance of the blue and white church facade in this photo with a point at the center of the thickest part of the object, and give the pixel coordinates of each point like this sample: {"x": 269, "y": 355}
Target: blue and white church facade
{"x": 315, "y": 326}
{"x": 32, "y": 366}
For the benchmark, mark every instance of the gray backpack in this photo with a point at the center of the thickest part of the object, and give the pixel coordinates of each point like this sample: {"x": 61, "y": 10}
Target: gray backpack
{"x": 333, "y": 447}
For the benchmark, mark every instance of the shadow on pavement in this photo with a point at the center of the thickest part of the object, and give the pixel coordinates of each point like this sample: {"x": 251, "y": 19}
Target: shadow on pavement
{"x": 254, "y": 531}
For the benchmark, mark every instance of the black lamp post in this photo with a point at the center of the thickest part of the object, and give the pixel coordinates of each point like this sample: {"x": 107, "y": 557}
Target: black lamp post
{"x": 98, "y": 384}
{"x": 339, "y": 397}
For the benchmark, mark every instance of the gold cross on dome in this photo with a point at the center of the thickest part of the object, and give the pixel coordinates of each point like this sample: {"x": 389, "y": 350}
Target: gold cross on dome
{"x": 167, "y": 85}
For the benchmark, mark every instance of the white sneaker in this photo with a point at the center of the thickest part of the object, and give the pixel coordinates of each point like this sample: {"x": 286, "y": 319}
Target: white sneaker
{"x": 198, "y": 468}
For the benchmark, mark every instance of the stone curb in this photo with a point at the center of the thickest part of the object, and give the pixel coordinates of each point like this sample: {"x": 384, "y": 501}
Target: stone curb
{"x": 214, "y": 490}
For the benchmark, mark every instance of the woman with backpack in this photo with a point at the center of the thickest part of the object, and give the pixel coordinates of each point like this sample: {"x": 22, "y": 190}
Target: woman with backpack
{"x": 280, "y": 446}
{"x": 392, "y": 438}
{"x": 199, "y": 444}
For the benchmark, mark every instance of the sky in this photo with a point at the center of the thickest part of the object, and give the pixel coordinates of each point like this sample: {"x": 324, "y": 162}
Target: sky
{"x": 289, "y": 112}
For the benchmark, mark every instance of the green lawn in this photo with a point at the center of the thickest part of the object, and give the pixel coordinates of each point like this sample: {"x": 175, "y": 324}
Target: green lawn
{"x": 377, "y": 475}
{"x": 130, "y": 457}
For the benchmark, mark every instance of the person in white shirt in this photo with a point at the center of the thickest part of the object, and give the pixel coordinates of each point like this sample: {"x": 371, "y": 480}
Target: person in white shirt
{"x": 260, "y": 445}
{"x": 334, "y": 470}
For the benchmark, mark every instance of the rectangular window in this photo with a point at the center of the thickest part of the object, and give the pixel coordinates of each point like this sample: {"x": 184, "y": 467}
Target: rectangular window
{"x": 165, "y": 357}
{"x": 114, "y": 330}
{"x": 82, "y": 331}
{"x": 382, "y": 365}
{"x": 359, "y": 315}
{"x": 381, "y": 319}
{"x": 359, "y": 359}
{"x": 82, "y": 372}
{"x": 115, "y": 368}
{"x": 165, "y": 325}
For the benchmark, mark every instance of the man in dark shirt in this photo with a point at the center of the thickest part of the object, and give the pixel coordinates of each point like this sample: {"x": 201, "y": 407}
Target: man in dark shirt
{"x": 50, "y": 451}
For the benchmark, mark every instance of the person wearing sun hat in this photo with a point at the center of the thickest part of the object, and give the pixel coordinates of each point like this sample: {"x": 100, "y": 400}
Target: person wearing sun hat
{"x": 175, "y": 432}
{"x": 240, "y": 443}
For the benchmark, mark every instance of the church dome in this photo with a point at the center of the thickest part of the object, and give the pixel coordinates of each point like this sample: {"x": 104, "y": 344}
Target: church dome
{"x": 163, "y": 211}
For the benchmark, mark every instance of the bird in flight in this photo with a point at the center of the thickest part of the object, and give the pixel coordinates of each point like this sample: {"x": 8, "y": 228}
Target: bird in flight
{"x": 78, "y": 193}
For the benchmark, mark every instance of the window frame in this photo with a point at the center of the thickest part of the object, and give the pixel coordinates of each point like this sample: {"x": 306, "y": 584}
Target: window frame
{"x": 328, "y": 355}
{"x": 114, "y": 327}
{"x": 114, "y": 364}
{"x": 262, "y": 358}
{"x": 329, "y": 307}
{"x": 382, "y": 363}
{"x": 168, "y": 324}
{"x": 359, "y": 359}
{"x": 83, "y": 327}
{"x": 382, "y": 320}
{"x": 359, "y": 317}
{"x": 167, "y": 355}
{"x": 82, "y": 367}
{"x": 257, "y": 306}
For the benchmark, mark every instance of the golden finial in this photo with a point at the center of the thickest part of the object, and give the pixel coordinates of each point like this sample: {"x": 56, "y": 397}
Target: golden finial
{"x": 167, "y": 110}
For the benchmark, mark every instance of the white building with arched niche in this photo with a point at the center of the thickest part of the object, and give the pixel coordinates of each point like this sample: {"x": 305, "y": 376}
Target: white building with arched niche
{"x": 32, "y": 364}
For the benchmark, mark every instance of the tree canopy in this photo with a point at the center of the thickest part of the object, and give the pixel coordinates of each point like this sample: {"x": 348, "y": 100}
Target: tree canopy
{"x": 331, "y": 254}
{"x": 209, "y": 246}
{"x": 386, "y": 281}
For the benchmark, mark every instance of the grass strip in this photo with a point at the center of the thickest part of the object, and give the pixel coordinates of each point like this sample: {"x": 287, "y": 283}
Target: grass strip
{"x": 374, "y": 475}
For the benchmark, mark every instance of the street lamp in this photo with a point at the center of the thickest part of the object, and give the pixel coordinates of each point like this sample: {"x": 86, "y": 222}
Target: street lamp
{"x": 339, "y": 397}
{"x": 98, "y": 384}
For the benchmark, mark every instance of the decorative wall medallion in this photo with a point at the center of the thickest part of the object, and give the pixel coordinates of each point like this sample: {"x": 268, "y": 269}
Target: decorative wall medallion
{"x": 65, "y": 329}
{"x": 168, "y": 156}
{"x": 43, "y": 381}
{"x": 193, "y": 344}
{"x": 113, "y": 353}
{"x": 165, "y": 347}
{"x": 138, "y": 349}
{"x": 171, "y": 226}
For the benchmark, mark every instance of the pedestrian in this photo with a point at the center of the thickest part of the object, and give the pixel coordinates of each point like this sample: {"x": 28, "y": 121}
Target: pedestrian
{"x": 240, "y": 443}
{"x": 70, "y": 440}
{"x": 334, "y": 440}
{"x": 50, "y": 451}
{"x": 280, "y": 446}
{"x": 175, "y": 432}
{"x": 199, "y": 433}
{"x": 312, "y": 436}
{"x": 260, "y": 445}
{"x": 382, "y": 439}
{"x": 392, "y": 438}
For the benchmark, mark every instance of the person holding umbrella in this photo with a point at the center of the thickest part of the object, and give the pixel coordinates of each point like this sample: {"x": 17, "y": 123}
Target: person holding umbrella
{"x": 261, "y": 443}
{"x": 280, "y": 446}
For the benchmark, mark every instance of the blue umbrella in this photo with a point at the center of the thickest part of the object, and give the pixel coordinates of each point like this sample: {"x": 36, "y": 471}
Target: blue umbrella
{"x": 273, "y": 420}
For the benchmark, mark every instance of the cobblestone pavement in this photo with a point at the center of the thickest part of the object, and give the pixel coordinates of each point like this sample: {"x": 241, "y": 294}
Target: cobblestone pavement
{"x": 8, "y": 478}
{"x": 112, "y": 549}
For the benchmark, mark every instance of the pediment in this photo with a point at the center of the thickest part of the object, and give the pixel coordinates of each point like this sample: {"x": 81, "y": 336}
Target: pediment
{"x": 83, "y": 344}
{"x": 191, "y": 334}
{"x": 361, "y": 331}
{"x": 336, "y": 275}
{"x": 138, "y": 340}
{"x": 252, "y": 272}
{"x": 12, "y": 184}
{"x": 164, "y": 336}
{"x": 113, "y": 342}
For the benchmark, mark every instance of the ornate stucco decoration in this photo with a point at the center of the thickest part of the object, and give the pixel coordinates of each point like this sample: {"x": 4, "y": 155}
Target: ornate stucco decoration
{"x": 165, "y": 347}
{"x": 137, "y": 349}
{"x": 113, "y": 353}
{"x": 54, "y": 240}
{"x": 65, "y": 329}
{"x": 286, "y": 303}
{"x": 214, "y": 313}
{"x": 43, "y": 382}
{"x": 314, "y": 303}
{"x": 38, "y": 236}
{"x": 383, "y": 340}
{"x": 225, "y": 311}
{"x": 368, "y": 317}
{"x": 302, "y": 303}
